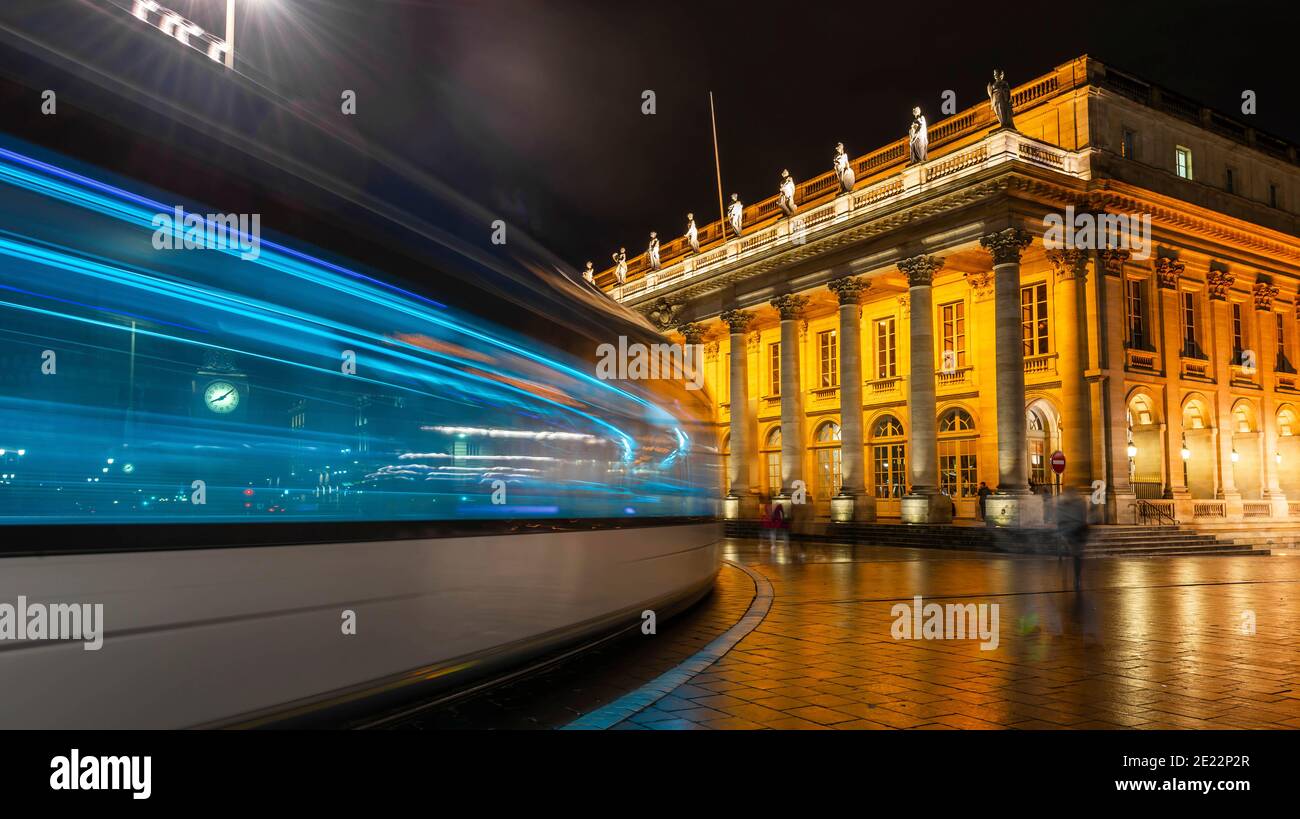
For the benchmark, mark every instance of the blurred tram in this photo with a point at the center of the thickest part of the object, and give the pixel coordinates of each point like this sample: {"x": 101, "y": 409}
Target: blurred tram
{"x": 298, "y": 483}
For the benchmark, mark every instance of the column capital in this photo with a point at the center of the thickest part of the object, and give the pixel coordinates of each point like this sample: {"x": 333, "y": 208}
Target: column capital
{"x": 848, "y": 288}
{"x": 1218, "y": 281}
{"x": 790, "y": 306}
{"x": 920, "y": 270}
{"x": 1113, "y": 259}
{"x": 1168, "y": 271}
{"x": 692, "y": 332}
{"x": 1264, "y": 295}
{"x": 737, "y": 320}
{"x": 1006, "y": 245}
{"x": 1070, "y": 263}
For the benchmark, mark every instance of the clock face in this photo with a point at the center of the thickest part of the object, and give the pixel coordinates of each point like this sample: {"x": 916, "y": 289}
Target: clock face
{"x": 221, "y": 397}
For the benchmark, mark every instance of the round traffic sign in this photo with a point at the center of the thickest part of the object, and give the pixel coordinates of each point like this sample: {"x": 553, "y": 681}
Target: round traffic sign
{"x": 1058, "y": 462}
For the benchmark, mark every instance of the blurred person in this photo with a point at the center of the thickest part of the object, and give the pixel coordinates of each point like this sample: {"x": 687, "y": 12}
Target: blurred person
{"x": 983, "y": 493}
{"x": 1072, "y": 529}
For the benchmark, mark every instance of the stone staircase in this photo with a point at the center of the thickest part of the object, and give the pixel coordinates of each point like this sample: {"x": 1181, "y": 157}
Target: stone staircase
{"x": 1103, "y": 541}
{"x": 1161, "y": 541}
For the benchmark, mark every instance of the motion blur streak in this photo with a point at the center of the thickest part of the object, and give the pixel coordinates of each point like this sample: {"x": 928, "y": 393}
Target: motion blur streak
{"x": 290, "y": 386}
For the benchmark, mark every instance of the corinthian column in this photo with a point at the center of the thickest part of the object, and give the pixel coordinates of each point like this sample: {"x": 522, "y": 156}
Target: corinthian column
{"x": 853, "y": 502}
{"x": 924, "y": 503}
{"x": 739, "y": 503}
{"x": 1012, "y": 505}
{"x": 1072, "y": 356}
{"x": 791, "y": 308}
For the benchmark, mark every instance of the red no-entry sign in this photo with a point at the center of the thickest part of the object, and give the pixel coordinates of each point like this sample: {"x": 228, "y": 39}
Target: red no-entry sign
{"x": 1058, "y": 462}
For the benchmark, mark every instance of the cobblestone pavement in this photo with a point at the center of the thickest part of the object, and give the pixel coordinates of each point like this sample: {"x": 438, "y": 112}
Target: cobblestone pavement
{"x": 1144, "y": 643}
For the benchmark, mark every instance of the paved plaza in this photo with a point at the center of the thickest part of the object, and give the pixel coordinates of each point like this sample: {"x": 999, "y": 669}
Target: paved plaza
{"x": 1180, "y": 642}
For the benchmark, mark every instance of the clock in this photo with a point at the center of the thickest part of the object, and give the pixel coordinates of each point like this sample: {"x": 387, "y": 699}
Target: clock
{"x": 221, "y": 397}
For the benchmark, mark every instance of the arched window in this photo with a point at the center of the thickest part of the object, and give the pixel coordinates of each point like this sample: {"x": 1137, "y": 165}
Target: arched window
{"x": 958, "y": 470}
{"x": 1243, "y": 418}
{"x": 1036, "y": 429}
{"x": 1286, "y": 422}
{"x": 772, "y": 460}
{"x": 888, "y": 458}
{"x": 887, "y": 426}
{"x": 1193, "y": 416}
{"x": 1140, "y": 413}
{"x": 826, "y": 441}
{"x": 956, "y": 420}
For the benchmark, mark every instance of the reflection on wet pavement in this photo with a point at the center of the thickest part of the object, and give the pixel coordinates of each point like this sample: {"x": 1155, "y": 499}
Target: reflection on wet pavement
{"x": 1179, "y": 642}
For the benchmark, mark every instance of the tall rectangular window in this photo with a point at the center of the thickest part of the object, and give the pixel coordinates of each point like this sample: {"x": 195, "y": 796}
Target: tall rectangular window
{"x": 1272, "y": 195}
{"x": 1135, "y": 310}
{"x": 886, "y": 353}
{"x": 1229, "y": 182}
{"x": 828, "y": 347}
{"x": 1033, "y": 319}
{"x": 953, "y": 318}
{"x": 774, "y": 368}
{"x": 1238, "y": 333}
{"x": 1283, "y": 365}
{"x": 1190, "y": 349}
{"x": 1183, "y": 162}
{"x": 890, "y": 468}
{"x": 1128, "y": 144}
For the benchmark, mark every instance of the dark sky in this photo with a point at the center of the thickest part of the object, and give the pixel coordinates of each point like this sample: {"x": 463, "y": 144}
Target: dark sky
{"x": 533, "y": 107}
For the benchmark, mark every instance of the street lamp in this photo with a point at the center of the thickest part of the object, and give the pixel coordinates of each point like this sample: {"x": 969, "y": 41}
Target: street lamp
{"x": 1235, "y": 456}
{"x": 1132, "y": 450}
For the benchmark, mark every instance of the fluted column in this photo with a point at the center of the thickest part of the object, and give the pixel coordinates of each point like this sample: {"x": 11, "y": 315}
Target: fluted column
{"x": 791, "y": 308}
{"x": 924, "y": 503}
{"x": 1266, "y": 356}
{"x": 1110, "y": 295}
{"x": 1219, "y": 283}
{"x": 1168, "y": 272}
{"x": 1014, "y": 506}
{"x": 740, "y": 503}
{"x": 1071, "y": 304}
{"x": 853, "y": 502}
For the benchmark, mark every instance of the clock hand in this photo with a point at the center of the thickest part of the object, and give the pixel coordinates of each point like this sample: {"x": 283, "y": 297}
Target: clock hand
{"x": 223, "y": 397}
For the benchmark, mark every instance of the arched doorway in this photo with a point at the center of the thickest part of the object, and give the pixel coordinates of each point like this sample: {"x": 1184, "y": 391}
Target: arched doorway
{"x": 888, "y": 464}
{"x": 1145, "y": 447}
{"x": 1245, "y": 450}
{"x": 827, "y": 455}
{"x": 958, "y": 467}
{"x": 1043, "y": 437}
{"x": 1198, "y": 453}
{"x": 1288, "y": 447}
{"x": 771, "y": 457}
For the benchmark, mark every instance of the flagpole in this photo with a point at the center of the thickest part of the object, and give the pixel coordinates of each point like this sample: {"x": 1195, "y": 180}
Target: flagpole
{"x": 717, "y": 166}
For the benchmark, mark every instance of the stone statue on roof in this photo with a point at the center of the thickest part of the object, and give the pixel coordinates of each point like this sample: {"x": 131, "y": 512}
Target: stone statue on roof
{"x": 1000, "y": 99}
{"x": 736, "y": 214}
{"x": 785, "y": 201}
{"x": 843, "y": 170}
{"x": 918, "y": 138}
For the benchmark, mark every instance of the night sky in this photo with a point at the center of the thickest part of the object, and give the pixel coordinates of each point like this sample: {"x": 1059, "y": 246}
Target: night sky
{"x": 533, "y": 109}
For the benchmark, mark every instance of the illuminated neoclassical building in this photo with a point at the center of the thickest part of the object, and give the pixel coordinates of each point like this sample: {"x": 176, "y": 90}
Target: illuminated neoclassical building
{"x": 897, "y": 334}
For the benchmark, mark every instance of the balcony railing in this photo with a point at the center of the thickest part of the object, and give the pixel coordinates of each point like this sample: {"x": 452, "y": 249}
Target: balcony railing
{"x": 954, "y": 378}
{"x": 884, "y": 386}
{"x": 764, "y": 236}
{"x": 1209, "y": 509}
{"x": 1044, "y": 363}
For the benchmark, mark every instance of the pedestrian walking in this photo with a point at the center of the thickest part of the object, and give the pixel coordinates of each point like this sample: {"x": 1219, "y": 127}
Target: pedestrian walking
{"x": 983, "y": 493}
